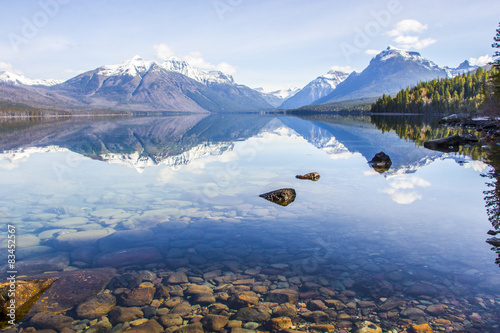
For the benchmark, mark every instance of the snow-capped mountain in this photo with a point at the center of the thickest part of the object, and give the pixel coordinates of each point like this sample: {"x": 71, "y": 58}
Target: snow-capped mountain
{"x": 17, "y": 79}
{"x": 275, "y": 98}
{"x": 314, "y": 90}
{"x": 464, "y": 68}
{"x": 138, "y": 84}
{"x": 388, "y": 72}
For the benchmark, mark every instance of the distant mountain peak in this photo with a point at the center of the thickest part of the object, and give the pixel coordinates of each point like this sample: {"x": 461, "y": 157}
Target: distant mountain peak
{"x": 18, "y": 79}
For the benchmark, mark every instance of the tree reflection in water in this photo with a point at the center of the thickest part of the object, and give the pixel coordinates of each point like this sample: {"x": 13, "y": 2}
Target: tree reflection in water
{"x": 492, "y": 196}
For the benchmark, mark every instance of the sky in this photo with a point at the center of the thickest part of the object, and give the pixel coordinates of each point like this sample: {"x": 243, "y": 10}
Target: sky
{"x": 274, "y": 44}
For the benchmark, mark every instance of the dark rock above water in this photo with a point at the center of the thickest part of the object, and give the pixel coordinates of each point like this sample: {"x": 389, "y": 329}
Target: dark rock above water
{"x": 450, "y": 143}
{"x": 283, "y": 197}
{"x": 381, "y": 162}
{"x": 314, "y": 176}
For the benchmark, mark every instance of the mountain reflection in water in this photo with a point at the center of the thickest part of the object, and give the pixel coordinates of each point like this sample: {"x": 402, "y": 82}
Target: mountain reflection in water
{"x": 181, "y": 194}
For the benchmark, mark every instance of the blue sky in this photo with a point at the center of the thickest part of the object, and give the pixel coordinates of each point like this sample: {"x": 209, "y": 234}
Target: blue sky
{"x": 268, "y": 43}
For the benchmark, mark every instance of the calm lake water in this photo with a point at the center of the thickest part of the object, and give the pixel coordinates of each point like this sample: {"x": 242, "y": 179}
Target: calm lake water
{"x": 182, "y": 193}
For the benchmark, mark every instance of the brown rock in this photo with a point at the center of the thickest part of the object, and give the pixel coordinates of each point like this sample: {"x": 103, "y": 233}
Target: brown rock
{"x": 422, "y": 289}
{"x": 122, "y": 315}
{"x": 368, "y": 327}
{"x": 191, "y": 328}
{"x": 195, "y": 289}
{"x": 283, "y": 296}
{"x": 177, "y": 278}
{"x": 151, "y": 326}
{"x": 72, "y": 289}
{"x": 51, "y": 321}
{"x": 413, "y": 313}
{"x": 170, "y": 303}
{"x": 257, "y": 314}
{"x": 96, "y": 307}
{"x": 203, "y": 299}
{"x": 315, "y": 305}
{"x": 234, "y": 324}
{"x": 217, "y": 308}
{"x": 282, "y": 197}
{"x": 27, "y": 293}
{"x": 244, "y": 299}
{"x": 141, "y": 296}
{"x": 214, "y": 322}
{"x": 285, "y": 310}
{"x": 315, "y": 316}
{"x": 314, "y": 176}
{"x": 182, "y": 309}
{"x": 436, "y": 309}
{"x": 280, "y": 323}
{"x": 391, "y": 303}
{"x": 322, "y": 328}
{"x": 170, "y": 320}
{"x": 424, "y": 328}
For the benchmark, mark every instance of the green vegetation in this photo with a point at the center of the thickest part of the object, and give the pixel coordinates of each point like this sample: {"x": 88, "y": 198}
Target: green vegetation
{"x": 496, "y": 63}
{"x": 461, "y": 94}
{"x": 362, "y": 104}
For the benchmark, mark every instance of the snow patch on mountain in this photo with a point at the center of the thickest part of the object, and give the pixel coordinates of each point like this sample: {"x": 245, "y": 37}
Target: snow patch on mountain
{"x": 17, "y": 80}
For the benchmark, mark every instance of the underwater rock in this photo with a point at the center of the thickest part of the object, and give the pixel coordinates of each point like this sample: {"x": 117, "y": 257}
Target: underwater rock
{"x": 27, "y": 292}
{"x": 283, "y": 197}
{"x": 314, "y": 176}
{"x": 381, "y": 162}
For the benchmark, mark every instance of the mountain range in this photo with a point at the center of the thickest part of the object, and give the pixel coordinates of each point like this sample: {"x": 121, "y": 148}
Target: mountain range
{"x": 174, "y": 85}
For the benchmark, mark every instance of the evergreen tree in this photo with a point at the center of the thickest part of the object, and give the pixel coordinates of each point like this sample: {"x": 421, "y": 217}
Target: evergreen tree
{"x": 496, "y": 62}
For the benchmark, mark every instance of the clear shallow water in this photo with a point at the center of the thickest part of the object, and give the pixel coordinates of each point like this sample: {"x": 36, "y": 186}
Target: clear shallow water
{"x": 186, "y": 188}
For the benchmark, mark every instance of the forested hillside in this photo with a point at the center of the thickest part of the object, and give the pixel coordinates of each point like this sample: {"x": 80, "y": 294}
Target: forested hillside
{"x": 463, "y": 93}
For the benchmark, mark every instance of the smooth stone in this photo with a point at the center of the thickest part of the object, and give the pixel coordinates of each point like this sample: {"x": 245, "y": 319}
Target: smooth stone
{"x": 195, "y": 289}
{"x": 140, "y": 296}
{"x": 191, "y": 328}
{"x": 182, "y": 309}
{"x": 96, "y": 307}
{"x": 135, "y": 256}
{"x": 422, "y": 289}
{"x": 151, "y": 326}
{"x": 51, "y": 321}
{"x": 256, "y": 314}
{"x": 82, "y": 238}
{"x": 316, "y": 316}
{"x": 391, "y": 303}
{"x": 170, "y": 320}
{"x": 413, "y": 313}
{"x": 285, "y": 310}
{"x": 423, "y": 328}
{"x": 204, "y": 299}
{"x": 177, "y": 278}
{"x": 124, "y": 314}
{"x": 316, "y": 305}
{"x": 436, "y": 309}
{"x": 322, "y": 328}
{"x": 283, "y": 296}
{"x": 214, "y": 322}
{"x": 72, "y": 289}
{"x": 244, "y": 299}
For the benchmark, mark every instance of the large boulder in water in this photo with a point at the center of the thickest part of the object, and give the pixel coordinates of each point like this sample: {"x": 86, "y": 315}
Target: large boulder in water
{"x": 381, "y": 162}
{"x": 283, "y": 197}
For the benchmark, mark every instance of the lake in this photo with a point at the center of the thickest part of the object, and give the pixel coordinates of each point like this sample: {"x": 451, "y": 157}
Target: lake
{"x": 152, "y": 207}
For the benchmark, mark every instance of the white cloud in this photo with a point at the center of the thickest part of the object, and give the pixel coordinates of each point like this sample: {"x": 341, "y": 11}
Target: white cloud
{"x": 413, "y": 42}
{"x": 345, "y": 69}
{"x": 481, "y": 61}
{"x": 405, "y": 26}
{"x": 74, "y": 71}
{"x": 372, "y": 52}
{"x": 163, "y": 51}
{"x": 399, "y": 187}
{"x": 5, "y": 66}
{"x": 196, "y": 59}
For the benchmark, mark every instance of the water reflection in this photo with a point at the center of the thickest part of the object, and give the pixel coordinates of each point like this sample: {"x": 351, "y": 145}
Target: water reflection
{"x": 181, "y": 193}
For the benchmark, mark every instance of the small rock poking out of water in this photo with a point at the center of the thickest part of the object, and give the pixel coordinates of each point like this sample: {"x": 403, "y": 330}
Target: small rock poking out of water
{"x": 283, "y": 197}
{"x": 314, "y": 176}
{"x": 381, "y": 162}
